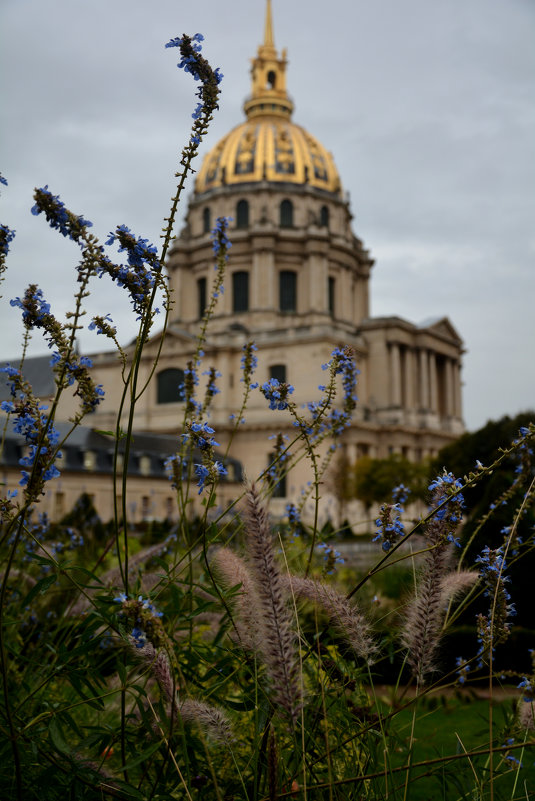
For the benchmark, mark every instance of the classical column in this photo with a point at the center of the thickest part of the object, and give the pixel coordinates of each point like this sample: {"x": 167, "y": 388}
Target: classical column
{"x": 424, "y": 379}
{"x": 264, "y": 281}
{"x": 410, "y": 366}
{"x": 448, "y": 389}
{"x": 315, "y": 276}
{"x": 395, "y": 375}
{"x": 457, "y": 389}
{"x": 351, "y": 452}
{"x": 433, "y": 384}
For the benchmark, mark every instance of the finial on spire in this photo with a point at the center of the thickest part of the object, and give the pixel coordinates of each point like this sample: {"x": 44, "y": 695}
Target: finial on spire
{"x": 268, "y": 28}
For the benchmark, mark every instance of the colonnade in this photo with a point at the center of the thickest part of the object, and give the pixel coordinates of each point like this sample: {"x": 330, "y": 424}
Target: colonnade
{"x": 421, "y": 378}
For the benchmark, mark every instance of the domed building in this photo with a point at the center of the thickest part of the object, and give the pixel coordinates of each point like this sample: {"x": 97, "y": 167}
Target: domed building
{"x": 298, "y": 286}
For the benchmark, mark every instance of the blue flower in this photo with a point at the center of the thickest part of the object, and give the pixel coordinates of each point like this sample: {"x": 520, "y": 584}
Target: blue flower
{"x": 463, "y": 669}
{"x": 390, "y": 527}
{"x": 528, "y": 694}
{"x": 249, "y": 362}
{"x": 293, "y": 514}
{"x": 331, "y": 557}
{"x": 202, "y": 473}
{"x": 7, "y": 235}
{"x": 58, "y": 216}
{"x": 139, "y": 637}
{"x": 140, "y": 251}
{"x": 220, "y": 241}
{"x": 277, "y": 393}
{"x": 494, "y": 628}
{"x": 35, "y": 308}
{"x": 400, "y": 494}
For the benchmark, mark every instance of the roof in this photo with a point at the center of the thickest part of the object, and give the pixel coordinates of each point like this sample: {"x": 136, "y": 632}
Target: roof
{"x": 147, "y": 456}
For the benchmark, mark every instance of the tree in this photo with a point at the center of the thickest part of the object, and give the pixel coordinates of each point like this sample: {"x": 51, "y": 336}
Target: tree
{"x": 374, "y": 479}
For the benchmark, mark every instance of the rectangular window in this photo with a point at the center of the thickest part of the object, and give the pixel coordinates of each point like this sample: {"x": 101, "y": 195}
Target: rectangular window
{"x": 145, "y": 506}
{"x": 169, "y": 508}
{"x": 278, "y": 371}
{"x": 240, "y": 291}
{"x": 201, "y": 297}
{"x": 330, "y": 289}
{"x": 288, "y": 291}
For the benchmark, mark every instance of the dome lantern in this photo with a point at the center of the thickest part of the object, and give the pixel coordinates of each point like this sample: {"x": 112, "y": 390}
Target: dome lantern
{"x": 268, "y": 73}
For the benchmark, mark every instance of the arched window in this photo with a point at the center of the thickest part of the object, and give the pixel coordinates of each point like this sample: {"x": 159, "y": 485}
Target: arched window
{"x": 331, "y": 287}
{"x": 240, "y": 291}
{"x": 169, "y": 383}
{"x": 242, "y": 214}
{"x": 324, "y": 216}
{"x": 278, "y": 371}
{"x": 271, "y": 78}
{"x": 288, "y": 291}
{"x": 286, "y": 214}
{"x": 201, "y": 297}
{"x": 206, "y": 221}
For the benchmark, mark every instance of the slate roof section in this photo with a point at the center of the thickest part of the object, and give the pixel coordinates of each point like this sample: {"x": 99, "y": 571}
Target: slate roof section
{"x": 37, "y": 372}
{"x": 156, "y": 448}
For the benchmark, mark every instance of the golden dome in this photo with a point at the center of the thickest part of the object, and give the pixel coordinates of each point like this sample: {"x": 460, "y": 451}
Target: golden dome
{"x": 268, "y": 149}
{"x": 268, "y": 146}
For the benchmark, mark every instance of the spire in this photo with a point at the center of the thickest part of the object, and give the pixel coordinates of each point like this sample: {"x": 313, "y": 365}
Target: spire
{"x": 268, "y": 73}
{"x": 268, "y": 28}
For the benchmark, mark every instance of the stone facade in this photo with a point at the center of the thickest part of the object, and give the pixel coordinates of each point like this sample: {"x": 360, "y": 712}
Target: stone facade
{"x": 298, "y": 285}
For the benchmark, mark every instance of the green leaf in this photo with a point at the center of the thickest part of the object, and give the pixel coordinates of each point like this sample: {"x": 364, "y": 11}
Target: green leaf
{"x": 82, "y": 570}
{"x": 128, "y": 790}
{"x": 133, "y": 763}
{"x": 40, "y": 588}
{"x": 121, "y": 670}
{"x": 241, "y": 706}
{"x": 56, "y": 737}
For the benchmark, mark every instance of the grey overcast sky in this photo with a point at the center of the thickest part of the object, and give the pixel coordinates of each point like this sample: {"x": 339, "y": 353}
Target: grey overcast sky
{"x": 427, "y": 106}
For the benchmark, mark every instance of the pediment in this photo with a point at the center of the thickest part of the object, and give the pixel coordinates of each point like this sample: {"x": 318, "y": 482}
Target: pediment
{"x": 442, "y": 327}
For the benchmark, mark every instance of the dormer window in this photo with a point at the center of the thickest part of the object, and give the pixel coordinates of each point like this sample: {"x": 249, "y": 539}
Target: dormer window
{"x": 144, "y": 465}
{"x": 90, "y": 460}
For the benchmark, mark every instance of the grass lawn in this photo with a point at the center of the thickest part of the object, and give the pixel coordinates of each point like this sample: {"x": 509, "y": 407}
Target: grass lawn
{"x": 446, "y": 726}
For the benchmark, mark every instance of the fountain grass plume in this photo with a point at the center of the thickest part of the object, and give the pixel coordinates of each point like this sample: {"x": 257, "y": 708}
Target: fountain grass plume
{"x": 277, "y": 645}
{"x": 343, "y": 614}
{"x": 438, "y": 584}
{"x": 210, "y": 719}
{"x": 232, "y": 570}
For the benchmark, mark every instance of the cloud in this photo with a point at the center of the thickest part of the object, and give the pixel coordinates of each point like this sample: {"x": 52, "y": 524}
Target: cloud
{"x": 427, "y": 108}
